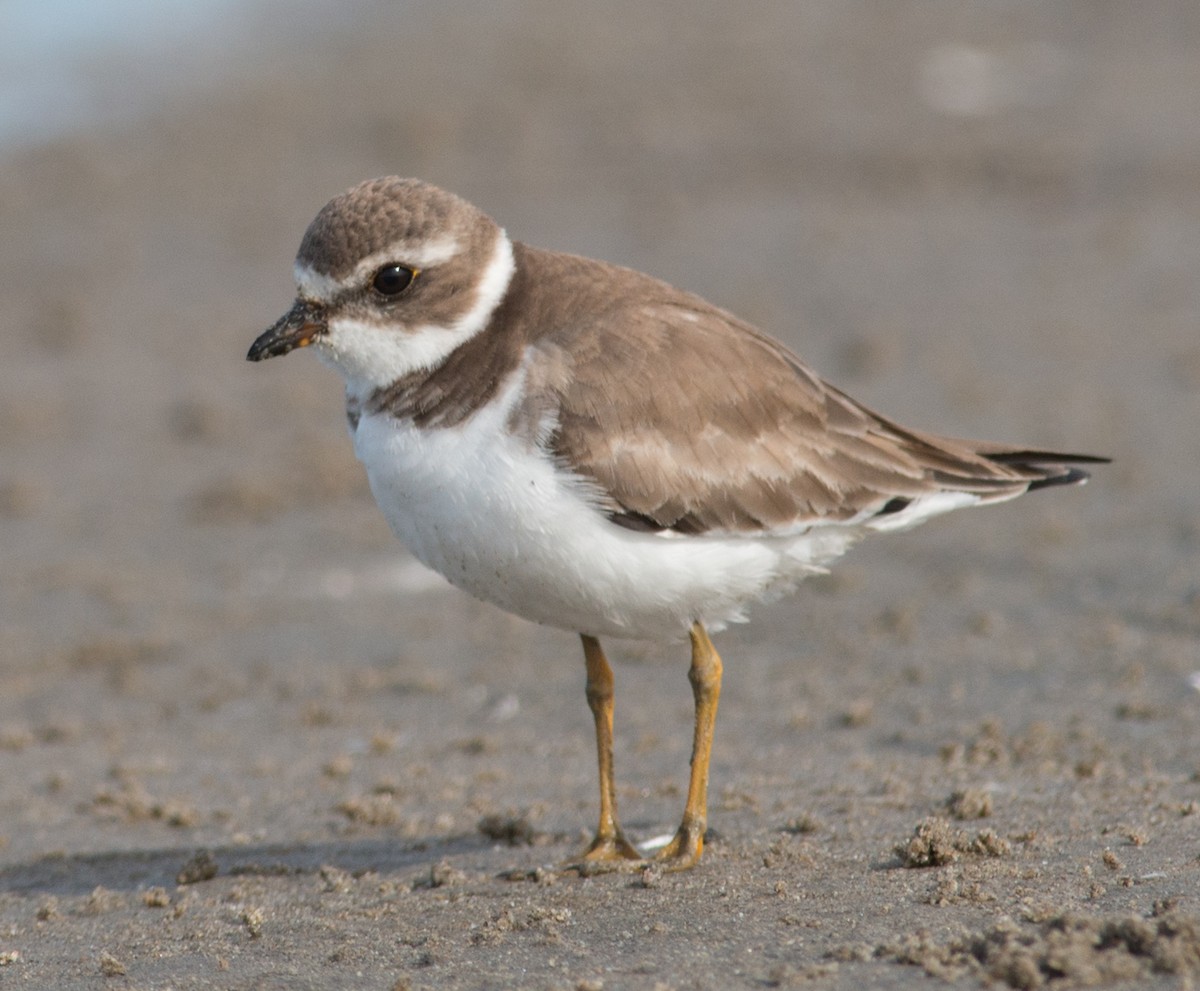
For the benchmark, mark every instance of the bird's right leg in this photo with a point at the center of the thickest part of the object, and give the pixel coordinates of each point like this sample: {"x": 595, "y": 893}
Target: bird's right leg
{"x": 610, "y": 845}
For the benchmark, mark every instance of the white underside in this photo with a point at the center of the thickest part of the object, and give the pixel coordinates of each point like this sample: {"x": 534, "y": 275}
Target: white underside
{"x": 499, "y": 520}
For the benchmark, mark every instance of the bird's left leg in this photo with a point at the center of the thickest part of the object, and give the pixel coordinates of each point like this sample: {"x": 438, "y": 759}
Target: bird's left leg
{"x": 705, "y": 675}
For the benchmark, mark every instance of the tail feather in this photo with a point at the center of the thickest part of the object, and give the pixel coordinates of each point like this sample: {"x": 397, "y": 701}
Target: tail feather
{"x": 1072, "y": 476}
{"x": 1048, "y": 468}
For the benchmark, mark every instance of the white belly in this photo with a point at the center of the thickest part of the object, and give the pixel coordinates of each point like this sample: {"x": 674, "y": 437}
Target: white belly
{"x": 493, "y": 515}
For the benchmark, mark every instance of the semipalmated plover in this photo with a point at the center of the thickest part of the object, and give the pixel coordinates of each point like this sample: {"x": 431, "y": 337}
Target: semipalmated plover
{"x": 590, "y": 448}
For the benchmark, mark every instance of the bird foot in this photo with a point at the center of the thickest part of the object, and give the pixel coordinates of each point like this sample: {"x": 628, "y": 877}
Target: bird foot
{"x": 684, "y": 850}
{"x": 605, "y": 854}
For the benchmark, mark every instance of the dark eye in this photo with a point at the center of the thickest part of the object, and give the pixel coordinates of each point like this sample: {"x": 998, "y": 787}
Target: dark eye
{"x": 391, "y": 280}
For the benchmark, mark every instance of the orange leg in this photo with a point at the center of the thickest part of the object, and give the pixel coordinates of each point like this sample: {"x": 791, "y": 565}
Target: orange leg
{"x": 610, "y": 845}
{"x": 705, "y": 675}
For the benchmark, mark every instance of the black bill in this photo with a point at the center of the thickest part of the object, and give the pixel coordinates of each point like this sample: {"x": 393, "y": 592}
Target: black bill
{"x": 297, "y": 328}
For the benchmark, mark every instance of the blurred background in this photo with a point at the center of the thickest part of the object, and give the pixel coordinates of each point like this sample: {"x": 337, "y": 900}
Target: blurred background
{"x": 979, "y": 218}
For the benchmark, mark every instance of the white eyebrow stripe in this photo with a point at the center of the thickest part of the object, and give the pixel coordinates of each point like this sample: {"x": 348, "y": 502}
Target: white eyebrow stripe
{"x": 425, "y": 254}
{"x": 313, "y": 285}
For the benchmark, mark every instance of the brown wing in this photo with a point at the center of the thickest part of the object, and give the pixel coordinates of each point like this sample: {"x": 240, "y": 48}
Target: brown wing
{"x": 689, "y": 420}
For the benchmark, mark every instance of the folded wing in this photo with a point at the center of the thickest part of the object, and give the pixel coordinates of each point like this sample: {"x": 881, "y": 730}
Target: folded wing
{"x": 690, "y": 421}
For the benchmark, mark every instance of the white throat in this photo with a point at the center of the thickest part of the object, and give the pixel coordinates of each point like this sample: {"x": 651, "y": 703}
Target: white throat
{"x": 370, "y": 357}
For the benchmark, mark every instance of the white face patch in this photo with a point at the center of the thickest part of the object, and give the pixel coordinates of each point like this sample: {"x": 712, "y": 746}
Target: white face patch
{"x": 371, "y": 355}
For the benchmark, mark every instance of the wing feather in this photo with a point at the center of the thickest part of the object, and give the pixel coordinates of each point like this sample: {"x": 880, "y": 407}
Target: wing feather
{"x": 687, "y": 419}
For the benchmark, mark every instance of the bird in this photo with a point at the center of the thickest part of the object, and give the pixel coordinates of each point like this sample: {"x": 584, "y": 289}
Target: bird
{"x": 593, "y": 449}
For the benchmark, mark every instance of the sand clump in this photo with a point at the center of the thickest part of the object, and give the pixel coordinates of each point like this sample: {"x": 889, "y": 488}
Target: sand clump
{"x": 1070, "y": 949}
{"x": 935, "y": 842}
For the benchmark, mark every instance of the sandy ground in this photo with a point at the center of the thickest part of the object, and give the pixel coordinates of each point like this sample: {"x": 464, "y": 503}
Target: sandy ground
{"x": 973, "y": 753}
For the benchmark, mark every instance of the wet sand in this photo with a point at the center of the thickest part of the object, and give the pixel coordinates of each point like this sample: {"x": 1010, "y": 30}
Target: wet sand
{"x": 248, "y": 743}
